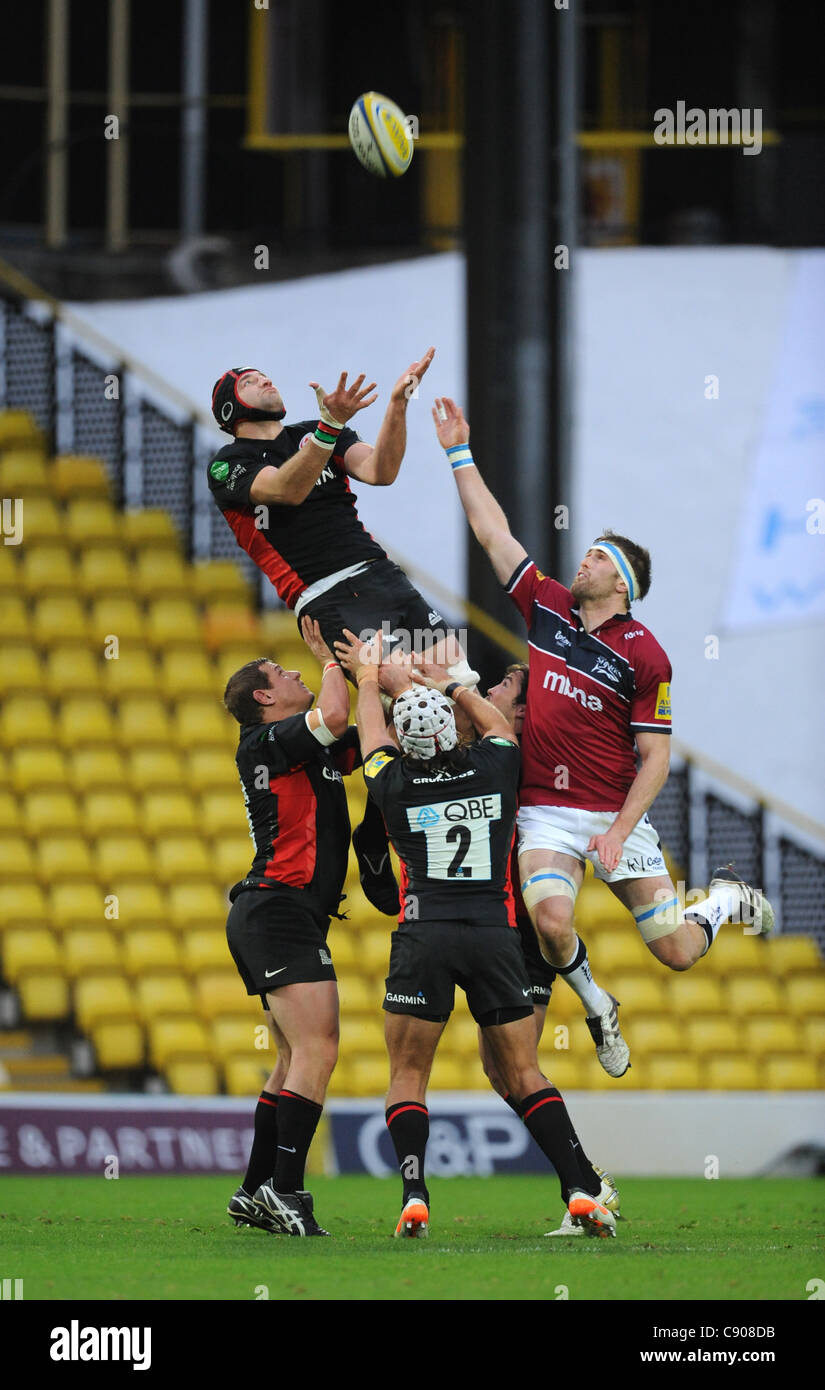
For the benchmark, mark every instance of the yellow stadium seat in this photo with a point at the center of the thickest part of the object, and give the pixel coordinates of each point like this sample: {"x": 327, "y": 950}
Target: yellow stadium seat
{"x": 732, "y": 1074}
{"x": 92, "y": 768}
{"x": 448, "y": 1073}
{"x": 44, "y": 997}
{"x": 91, "y": 521}
{"x": 151, "y": 769}
{"x": 184, "y": 675}
{"x": 362, "y": 1034}
{"x": 85, "y": 721}
{"x": 48, "y": 810}
{"x": 562, "y": 1069}
{"x": 160, "y": 573}
{"x": 230, "y": 857}
{"x": 813, "y": 1032}
{"x": 713, "y": 1034}
{"x": 639, "y": 992}
{"x": 78, "y": 475}
{"x": 611, "y": 951}
{"x": 16, "y": 859}
{"x": 109, "y": 811}
{"x": 158, "y": 994}
{"x": 120, "y": 618}
{"x": 139, "y": 903}
{"x": 211, "y": 769}
{"x": 47, "y": 569}
{"x": 23, "y": 473}
{"x": 145, "y": 951}
{"x": 10, "y": 816}
{"x": 99, "y": 998}
{"x": 597, "y": 907}
{"x": 182, "y": 856}
{"x": 44, "y": 521}
{"x": 28, "y": 951}
{"x": 805, "y": 995}
{"x": 658, "y": 1034}
{"x": 142, "y": 720}
{"x": 373, "y": 947}
{"x": 220, "y": 812}
{"x": 89, "y": 952}
{"x": 76, "y": 903}
{"x": 192, "y": 1076}
{"x": 229, "y": 625}
{"x": 151, "y": 528}
{"x": 9, "y": 570}
{"x": 235, "y": 1034}
{"x": 220, "y": 582}
{"x": 733, "y": 954}
{"x": 223, "y": 992}
{"x": 104, "y": 571}
{"x": 132, "y": 674}
{"x": 197, "y": 904}
{"x": 59, "y": 618}
{"x": 62, "y": 857}
{"x": 201, "y": 723}
{"x": 670, "y": 1073}
{"x": 461, "y": 1033}
{"x": 15, "y": 624}
{"x": 118, "y": 1043}
{"x": 37, "y": 767}
{"x": 343, "y": 948}
{"x": 245, "y": 1076}
{"x": 233, "y": 656}
{"x": 165, "y": 811}
{"x": 28, "y": 719}
{"x": 693, "y": 992}
{"x": 789, "y": 955}
{"x": 367, "y": 1076}
{"x": 205, "y": 949}
{"x": 18, "y": 430}
{"x": 771, "y": 1037}
{"x": 122, "y": 856}
{"x": 72, "y": 671}
{"x": 23, "y": 905}
{"x": 755, "y": 994}
{"x": 357, "y": 995}
{"x": 174, "y": 622}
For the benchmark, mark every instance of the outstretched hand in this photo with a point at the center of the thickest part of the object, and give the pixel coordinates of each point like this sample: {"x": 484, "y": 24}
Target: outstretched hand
{"x": 408, "y": 383}
{"x": 450, "y": 425}
{"x": 345, "y": 401}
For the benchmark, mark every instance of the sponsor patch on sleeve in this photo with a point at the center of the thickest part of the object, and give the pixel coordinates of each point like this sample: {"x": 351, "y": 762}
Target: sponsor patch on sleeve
{"x": 373, "y": 765}
{"x": 219, "y": 469}
{"x": 663, "y": 701}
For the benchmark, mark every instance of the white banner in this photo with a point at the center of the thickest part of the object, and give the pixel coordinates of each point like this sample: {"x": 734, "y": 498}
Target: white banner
{"x": 779, "y": 551}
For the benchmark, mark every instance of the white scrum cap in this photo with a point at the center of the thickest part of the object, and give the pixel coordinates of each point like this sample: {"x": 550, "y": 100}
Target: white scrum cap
{"x": 425, "y": 723}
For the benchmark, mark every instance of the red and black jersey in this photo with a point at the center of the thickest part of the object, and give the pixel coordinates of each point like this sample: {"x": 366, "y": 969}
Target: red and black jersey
{"x": 297, "y": 808}
{"x": 298, "y": 545}
{"x": 590, "y": 694}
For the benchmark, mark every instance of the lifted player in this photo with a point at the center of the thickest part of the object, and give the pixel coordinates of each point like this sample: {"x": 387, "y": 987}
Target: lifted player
{"x": 450, "y": 815}
{"x": 599, "y": 695}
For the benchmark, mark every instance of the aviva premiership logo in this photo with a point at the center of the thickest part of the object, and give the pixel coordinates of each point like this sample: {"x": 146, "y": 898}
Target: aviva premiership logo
{"x": 374, "y": 764}
{"x": 663, "y": 701}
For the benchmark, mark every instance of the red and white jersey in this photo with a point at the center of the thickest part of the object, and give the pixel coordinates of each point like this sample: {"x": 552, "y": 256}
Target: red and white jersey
{"x": 589, "y": 695}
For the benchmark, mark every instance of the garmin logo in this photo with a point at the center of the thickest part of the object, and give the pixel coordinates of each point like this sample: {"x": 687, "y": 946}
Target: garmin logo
{"x": 560, "y": 685}
{"x": 406, "y": 998}
{"x": 76, "y": 1343}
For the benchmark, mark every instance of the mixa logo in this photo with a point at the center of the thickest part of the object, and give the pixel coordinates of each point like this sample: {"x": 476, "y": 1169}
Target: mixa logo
{"x": 406, "y": 998}
{"x": 560, "y": 685}
{"x": 76, "y": 1343}
{"x": 562, "y": 640}
{"x": 604, "y": 667}
{"x": 331, "y": 774}
{"x": 637, "y": 632}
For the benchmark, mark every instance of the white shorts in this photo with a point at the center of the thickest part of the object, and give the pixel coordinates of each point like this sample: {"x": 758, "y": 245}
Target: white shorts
{"x": 565, "y": 830}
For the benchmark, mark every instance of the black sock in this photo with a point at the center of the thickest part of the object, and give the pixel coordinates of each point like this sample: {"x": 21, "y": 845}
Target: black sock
{"x": 264, "y": 1144}
{"x": 545, "y": 1115}
{"x": 513, "y": 1103}
{"x": 409, "y": 1125}
{"x": 297, "y": 1122}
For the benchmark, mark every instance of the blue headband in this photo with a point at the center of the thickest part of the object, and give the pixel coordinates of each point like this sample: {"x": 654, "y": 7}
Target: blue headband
{"x": 623, "y": 566}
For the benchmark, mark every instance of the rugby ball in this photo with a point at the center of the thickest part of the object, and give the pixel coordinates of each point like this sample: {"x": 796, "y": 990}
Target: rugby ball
{"x": 379, "y": 136}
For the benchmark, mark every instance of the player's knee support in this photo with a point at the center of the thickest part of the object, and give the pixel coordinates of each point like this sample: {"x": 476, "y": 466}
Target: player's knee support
{"x": 549, "y": 883}
{"x": 658, "y": 919}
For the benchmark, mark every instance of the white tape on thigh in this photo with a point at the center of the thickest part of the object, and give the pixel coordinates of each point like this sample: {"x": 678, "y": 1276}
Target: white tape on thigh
{"x": 659, "y": 919}
{"x": 550, "y": 883}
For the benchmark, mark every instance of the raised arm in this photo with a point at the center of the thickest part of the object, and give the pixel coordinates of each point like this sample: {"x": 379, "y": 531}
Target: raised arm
{"x": 291, "y": 484}
{"x": 379, "y": 463}
{"x": 487, "y": 520}
{"x": 363, "y": 661}
{"x": 485, "y": 718}
{"x": 332, "y": 705}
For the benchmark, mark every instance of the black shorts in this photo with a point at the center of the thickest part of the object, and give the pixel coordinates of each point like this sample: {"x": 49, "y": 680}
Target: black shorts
{"x": 381, "y": 593}
{"x": 428, "y": 959}
{"x": 276, "y": 939}
{"x": 541, "y": 975}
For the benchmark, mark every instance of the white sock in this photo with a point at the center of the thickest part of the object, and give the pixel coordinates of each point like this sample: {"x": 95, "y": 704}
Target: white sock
{"x": 578, "y": 976}
{"x": 720, "y": 906}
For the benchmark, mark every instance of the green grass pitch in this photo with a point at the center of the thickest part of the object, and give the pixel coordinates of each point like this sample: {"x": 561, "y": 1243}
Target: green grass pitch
{"x": 167, "y": 1238}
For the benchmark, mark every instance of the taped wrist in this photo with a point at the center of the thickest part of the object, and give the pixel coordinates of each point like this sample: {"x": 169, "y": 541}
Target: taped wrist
{"x": 322, "y": 733}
